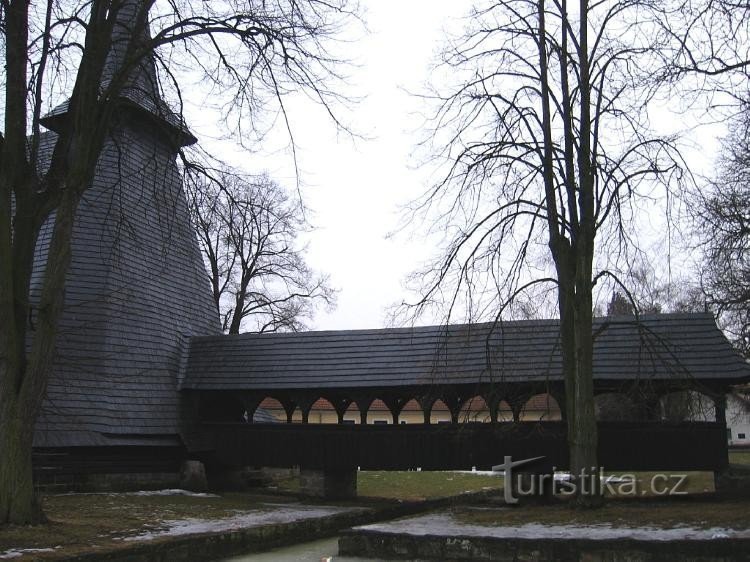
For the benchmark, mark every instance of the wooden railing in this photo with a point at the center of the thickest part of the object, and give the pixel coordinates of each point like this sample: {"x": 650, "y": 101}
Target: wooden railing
{"x": 622, "y": 445}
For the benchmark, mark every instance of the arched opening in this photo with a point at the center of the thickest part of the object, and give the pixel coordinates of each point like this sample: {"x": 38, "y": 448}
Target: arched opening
{"x": 352, "y": 415}
{"x": 540, "y": 407}
{"x": 297, "y": 415}
{"x": 685, "y": 406}
{"x": 379, "y": 414}
{"x": 615, "y": 406}
{"x": 411, "y": 413}
{"x": 440, "y": 413}
{"x": 261, "y": 415}
{"x": 322, "y": 411}
{"x": 504, "y": 412}
{"x": 475, "y": 410}
{"x": 272, "y": 407}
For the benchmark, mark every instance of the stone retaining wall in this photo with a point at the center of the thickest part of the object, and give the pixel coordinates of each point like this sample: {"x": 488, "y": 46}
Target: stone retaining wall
{"x": 379, "y": 545}
{"x": 215, "y": 546}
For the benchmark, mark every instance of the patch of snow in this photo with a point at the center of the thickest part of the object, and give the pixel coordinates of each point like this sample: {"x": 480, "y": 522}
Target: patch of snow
{"x": 720, "y": 535}
{"x": 281, "y": 513}
{"x": 563, "y": 476}
{"x": 165, "y": 492}
{"x": 446, "y": 525}
{"x": 17, "y": 552}
{"x": 171, "y": 492}
{"x": 558, "y": 476}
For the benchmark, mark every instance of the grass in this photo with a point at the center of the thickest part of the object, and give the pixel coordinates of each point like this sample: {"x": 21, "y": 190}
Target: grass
{"x": 85, "y": 522}
{"x": 422, "y": 485}
{"x": 740, "y": 457}
{"x": 413, "y": 485}
{"x": 656, "y": 484}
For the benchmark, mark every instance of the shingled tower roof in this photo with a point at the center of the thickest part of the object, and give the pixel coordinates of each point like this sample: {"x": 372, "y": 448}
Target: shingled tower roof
{"x": 136, "y": 289}
{"x": 141, "y": 90}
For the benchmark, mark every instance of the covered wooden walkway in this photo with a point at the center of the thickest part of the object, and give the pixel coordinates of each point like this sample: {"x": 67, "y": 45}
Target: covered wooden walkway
{"x": 660, "y": 385}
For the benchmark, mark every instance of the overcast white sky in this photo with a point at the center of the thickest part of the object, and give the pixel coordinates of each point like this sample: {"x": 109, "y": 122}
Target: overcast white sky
{"x": 359, "y": 187}
{"x": 355, "y": 187}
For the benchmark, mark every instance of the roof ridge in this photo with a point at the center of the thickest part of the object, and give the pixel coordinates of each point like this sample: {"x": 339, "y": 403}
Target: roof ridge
{"x": 550, "y": 322}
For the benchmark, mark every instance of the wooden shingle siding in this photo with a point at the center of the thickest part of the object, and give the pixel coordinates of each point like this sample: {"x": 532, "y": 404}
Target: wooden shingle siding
{"x": 136, "y": 290}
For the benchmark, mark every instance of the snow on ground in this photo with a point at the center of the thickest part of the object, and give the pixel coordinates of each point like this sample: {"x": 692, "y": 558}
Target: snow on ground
{"x": 559, "y": 476}
{"x": 165, "y": 492}
{"x": 16, "y": 552}
{"x": 270, "y": 514}
{"x": 171, "y": 492}
{"x": 446, "y": 525}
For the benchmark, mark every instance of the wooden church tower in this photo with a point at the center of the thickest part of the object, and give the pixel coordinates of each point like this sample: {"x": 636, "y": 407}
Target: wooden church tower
{"x": 136, "y": 289}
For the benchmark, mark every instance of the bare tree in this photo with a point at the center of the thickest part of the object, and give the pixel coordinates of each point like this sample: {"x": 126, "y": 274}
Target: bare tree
{"x": 97, "y": 55}
{"x": 248, "y": 232}
{"x": 723, "y": 214}
{"x": 706, "y": 40}
{"x": 551, "y": 157}
{"x": 647, "y": 293}
{"x": 709, "y": 52}
{"x": 620, "y": 305}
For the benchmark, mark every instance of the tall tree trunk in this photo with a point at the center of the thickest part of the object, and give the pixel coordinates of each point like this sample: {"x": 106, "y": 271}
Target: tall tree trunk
{"x": 19, "y": 503}
{"x": 23, "y": 383}
{"x": 583, "y": 431}
{"x": 576, "y": 319}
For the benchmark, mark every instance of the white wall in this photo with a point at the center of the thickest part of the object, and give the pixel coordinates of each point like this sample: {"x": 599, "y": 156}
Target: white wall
{"x": 738, "y": 422}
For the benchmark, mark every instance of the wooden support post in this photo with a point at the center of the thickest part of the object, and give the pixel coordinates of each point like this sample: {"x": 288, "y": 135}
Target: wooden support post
{"x": 363, "y": 404}
{"x": 305, "y": 401}
{"x": 426, "y": 403}
{"x": 340, "y": 405}
{"x": 395, "y": 405}
{"x": 454, "y": 403}
{"x": 493, "y": 405}
{"x": 516, "y": 407}
{"x": 720, "y": 408}
{"x": 289, "y": 407}
{"x": 251, "y": 402}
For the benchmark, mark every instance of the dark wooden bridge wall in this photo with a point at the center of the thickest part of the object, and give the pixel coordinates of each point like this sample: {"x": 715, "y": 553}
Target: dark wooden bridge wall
{"x": 72, "y": 465}
{"x": 622, "y": 445}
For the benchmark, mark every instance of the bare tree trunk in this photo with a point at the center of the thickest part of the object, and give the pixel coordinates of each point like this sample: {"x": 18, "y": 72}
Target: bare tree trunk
{"x": 25, "y": 382}
{"x": 576, "y": 318}
{"x": 583, "y": 431}
{"x": 19, "y": 503}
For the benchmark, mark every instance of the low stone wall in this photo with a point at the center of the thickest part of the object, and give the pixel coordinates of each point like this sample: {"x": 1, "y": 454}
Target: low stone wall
{"x": 329, "y": 484}
{"x": 215, "y": 546}
{"x": 379, "y": 545}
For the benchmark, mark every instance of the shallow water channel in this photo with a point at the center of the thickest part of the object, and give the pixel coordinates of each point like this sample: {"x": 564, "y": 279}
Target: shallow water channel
{"x": 315, "y": 551}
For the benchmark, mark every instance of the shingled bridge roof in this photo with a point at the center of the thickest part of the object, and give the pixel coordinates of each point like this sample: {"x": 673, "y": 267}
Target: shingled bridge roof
{"x": 660, "y": 346}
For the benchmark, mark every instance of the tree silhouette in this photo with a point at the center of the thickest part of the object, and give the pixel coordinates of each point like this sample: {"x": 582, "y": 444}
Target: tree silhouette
{"x": 550, "y": 157}
{"x": 88, "y": 60}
